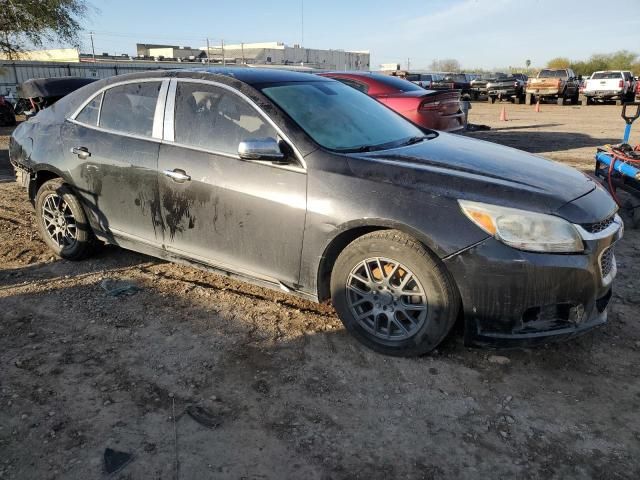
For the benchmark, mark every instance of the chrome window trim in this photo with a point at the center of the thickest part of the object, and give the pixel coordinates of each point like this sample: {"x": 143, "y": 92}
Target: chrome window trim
{"x": 100, "y": 108}
{"x": 615, "y": 227}
{"x": 115, "y": 132}
{"x": 158, "y": 115}
{"x": 107, "y": 87}
{"x": 265, "y": 163}
{"x": 170, "y": 114}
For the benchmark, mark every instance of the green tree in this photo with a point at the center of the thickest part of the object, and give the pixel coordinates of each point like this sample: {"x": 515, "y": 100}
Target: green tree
{"x": 559, "y": 62}
{"x": 25, "y": 23}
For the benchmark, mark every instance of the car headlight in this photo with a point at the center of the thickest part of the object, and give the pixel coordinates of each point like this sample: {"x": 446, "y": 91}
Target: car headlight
{"x": 524, "y": 230}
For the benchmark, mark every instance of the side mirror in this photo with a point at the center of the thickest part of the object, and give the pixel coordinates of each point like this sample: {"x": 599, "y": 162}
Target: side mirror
{"x": 260, "y": 149}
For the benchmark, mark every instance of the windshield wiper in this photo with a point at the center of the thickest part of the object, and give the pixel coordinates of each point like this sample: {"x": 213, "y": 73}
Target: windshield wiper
{"x": 413, "y": 140}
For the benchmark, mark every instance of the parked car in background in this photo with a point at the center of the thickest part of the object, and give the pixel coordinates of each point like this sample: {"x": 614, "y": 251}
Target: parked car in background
{"x": 7, "y": 114}
{"x": 616, "y": 85}
{"x": 40, "y": 93}
{"x": 561, "y": 85}
{"x": 479, "y": 85}
{"x": 511, "y": 88}
{"x": 453, "y": 81}
{"x": 427, "y": 108}
{"x": 425, "y": 80}
{"x": 300, "y": 183}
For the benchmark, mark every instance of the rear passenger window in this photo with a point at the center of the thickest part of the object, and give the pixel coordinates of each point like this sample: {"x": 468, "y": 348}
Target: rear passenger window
{"x": 130, "y": 108}
{"x": 352, "y": 83}
{"x": 213, "y": 118}
{"x": 89, "y": 114}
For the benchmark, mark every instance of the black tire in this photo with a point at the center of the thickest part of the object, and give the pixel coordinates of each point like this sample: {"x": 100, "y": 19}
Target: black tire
{"x": 75, "y": 248}
{"x": 492, "y": 99}
{"x": 441, "y": 296}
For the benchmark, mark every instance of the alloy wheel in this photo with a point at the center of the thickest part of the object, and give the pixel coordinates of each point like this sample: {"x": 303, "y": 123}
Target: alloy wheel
{"x": 386, "y": 298}
{"x": 59, "y": 222}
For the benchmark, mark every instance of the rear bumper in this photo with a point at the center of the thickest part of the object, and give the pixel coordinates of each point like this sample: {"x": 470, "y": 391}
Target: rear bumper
{"x": 504, "y": 92}
{"x": 604, "y": 94}
{"x": 513, "y": 298}
{"x": 437, "y": 121}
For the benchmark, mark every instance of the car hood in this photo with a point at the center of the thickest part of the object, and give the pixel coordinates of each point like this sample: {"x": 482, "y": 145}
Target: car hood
{"x": 459, "y": 166}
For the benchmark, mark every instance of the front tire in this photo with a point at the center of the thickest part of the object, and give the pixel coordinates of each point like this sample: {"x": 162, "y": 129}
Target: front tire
{"x": 393, "y": 295}
{"x": 62, "y": 223}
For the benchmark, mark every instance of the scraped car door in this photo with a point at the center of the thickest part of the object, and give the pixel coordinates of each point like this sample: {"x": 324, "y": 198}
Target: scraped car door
{"x": 113, "y": 150}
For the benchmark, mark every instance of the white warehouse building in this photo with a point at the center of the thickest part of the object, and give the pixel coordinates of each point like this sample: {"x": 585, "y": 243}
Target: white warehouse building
{"x": 277, "y": 53}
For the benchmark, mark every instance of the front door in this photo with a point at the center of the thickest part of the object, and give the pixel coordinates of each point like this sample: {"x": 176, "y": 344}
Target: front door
{"x": 247, "y": 216}
{"x": 114, "y": 154}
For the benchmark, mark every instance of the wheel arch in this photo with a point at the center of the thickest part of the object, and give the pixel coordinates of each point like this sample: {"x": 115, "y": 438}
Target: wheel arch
{"x": 349, "y": 232}
{"x": 39, "y": 177}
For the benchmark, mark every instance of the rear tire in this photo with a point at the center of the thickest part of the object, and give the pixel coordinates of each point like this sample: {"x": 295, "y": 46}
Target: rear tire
{"x": 62, "y": 223}
{"x": 369, "y": 286}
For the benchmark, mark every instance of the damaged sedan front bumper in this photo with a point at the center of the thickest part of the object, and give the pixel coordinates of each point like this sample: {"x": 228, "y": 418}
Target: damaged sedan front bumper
{"x": 513, "y": 298}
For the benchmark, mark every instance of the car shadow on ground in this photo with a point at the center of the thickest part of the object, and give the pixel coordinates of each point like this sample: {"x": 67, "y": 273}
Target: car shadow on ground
{"x": 229, "y": 384}
{"x": 106, "y": 259}
{"x": 541, "y": 142}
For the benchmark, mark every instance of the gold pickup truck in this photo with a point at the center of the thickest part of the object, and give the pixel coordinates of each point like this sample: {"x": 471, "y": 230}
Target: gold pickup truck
{"x": 561, "y": 85}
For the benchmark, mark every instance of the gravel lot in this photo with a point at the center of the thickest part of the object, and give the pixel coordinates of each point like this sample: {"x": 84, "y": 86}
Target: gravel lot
{"x": 280, "y": 390}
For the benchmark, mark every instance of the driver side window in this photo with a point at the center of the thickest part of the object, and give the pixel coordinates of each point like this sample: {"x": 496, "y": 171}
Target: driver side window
{"x": 213, "y": 118}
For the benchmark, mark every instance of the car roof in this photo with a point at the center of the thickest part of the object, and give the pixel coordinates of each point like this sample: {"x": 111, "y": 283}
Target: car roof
{"x": 255, "y": 75}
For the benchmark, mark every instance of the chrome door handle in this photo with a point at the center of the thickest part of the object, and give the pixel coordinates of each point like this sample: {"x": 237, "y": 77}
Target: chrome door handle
{"x": 81, "y": 152}
{"x": 177, "y": 175}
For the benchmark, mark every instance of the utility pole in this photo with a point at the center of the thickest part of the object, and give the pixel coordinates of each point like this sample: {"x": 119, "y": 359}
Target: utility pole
{"x": 242, "y": 48}
{"x": 93, "y": 50}
{"x": 224, "y": 62}
{"x": 408, "y": 64}
{"x": 302, "y": 22}
{"x": 208, "y": 60}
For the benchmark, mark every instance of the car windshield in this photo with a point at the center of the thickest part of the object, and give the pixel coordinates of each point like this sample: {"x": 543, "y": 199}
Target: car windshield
{"x": 552, "y": 74}
{"x": 606, "y": 75}
{"x": 341, "y": 118}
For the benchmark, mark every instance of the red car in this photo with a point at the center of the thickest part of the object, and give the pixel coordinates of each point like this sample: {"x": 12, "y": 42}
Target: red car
{"x": 432, "y": 109}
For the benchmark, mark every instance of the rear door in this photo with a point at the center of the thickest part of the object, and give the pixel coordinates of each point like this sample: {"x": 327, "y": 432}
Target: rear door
{"x": 114, "y": 141}
{"x": 247, "y": 216}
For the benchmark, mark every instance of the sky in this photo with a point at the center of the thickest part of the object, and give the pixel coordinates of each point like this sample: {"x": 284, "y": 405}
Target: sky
{"x": 478, "y": 33}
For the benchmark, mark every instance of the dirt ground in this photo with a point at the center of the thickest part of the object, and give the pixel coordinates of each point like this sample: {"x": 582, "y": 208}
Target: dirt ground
{"x": 280, "y": 390}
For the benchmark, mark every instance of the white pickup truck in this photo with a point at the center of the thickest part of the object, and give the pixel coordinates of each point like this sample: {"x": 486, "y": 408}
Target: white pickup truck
{"x": 607, "y": 85}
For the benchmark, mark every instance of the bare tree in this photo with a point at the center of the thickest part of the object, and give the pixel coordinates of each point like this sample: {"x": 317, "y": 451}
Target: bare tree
{"x": 445, "y": 65}
{"x": 26, "y": 23}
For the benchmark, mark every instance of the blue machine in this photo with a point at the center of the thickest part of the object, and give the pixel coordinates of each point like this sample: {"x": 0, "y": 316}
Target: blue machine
{"x": 619, "y": 165}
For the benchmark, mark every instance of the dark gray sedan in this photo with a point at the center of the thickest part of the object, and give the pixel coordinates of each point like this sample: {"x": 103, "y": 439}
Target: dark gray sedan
{"x": 304, "y": 184}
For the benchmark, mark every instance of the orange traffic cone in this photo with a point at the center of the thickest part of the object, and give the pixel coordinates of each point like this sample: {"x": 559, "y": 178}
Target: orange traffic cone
{"x": 538, "y": 106}
{"x": 503, "y": 115}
